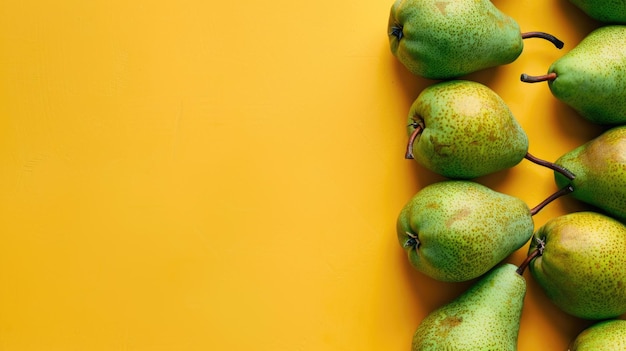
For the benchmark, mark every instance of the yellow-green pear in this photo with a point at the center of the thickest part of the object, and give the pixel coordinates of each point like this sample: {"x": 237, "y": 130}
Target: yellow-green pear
{"x": 607, "y": 11}
{"x": 456, "y": 230}
{"x": 462, "y": 129}
{"x": 599, "y": 167}
{"x": 485, "y": 317}
{"x": 591, "y": 78}
{"x": 443, "y": 39}
{"x": 608, "y": 335}
{"x": 580, "y": 264}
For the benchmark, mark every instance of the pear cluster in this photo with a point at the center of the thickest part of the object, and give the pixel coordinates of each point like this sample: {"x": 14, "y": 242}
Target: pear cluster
{"x": 458, "y": 230}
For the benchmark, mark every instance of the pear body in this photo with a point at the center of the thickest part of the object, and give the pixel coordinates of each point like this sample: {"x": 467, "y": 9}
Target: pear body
{"x": 447, "y": 39}
{"x": 456, "y": 230}
{"x": 485, "y": 317}
{"x": 600, "y": 169}
{"x": 591, "y": 78}
{"x": 582, "y": 268}
{"x": 608, "y": 335}
{"x": 468, "y": 130}
{"x": 607, "y": 11}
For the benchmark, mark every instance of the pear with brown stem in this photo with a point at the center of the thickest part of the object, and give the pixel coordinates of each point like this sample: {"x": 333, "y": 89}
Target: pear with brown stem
{"x": 591, "y": 78}
{"x": 448, "y": 39}
{"x": 456, "y": 230}
{"x": 462, "y": 130}
{"x": 600, "y": 169}
{"x": 579, "y": 260}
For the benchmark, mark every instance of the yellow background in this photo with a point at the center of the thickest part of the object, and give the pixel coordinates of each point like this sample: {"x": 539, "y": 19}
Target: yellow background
{"x": 193, "y": 175}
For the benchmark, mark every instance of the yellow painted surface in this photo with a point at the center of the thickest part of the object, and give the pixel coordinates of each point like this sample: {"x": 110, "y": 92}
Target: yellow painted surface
{"x": 193, "y": 175}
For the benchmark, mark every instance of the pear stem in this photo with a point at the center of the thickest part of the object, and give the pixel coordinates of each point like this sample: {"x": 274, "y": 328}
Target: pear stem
{"x": 531, "y": 256}
{"x": 419, "y": 127}
{"x": 537, "y": 79}
{"x": 553, "y": 166}
{"x": 561, "y": 192}
{"x": 549, "y": 37}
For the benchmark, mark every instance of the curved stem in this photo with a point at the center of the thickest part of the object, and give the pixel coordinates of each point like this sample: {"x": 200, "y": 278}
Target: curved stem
{"x": 419, "y": 127}
{"x": 553, "y": 166}
{"x": 549, "y": 37}
{"x": 531, "y": 256}
{"x": 561, "y": 192}
{"x": 537, "y": 79}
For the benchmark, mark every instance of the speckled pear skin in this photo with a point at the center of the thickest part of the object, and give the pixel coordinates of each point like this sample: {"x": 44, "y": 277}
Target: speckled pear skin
{"x": 583, "y": 266}
{"x": 600, "y": 169}
{"x": 469, "y": 131}
{"x": 591, "y": 78}
{"x": 609, "y": 335}
{"x": 485, "y": 317}
{"x": 456, "y": 230}
{"x": 607, "y": 11}
{"x": 448, "y": 39}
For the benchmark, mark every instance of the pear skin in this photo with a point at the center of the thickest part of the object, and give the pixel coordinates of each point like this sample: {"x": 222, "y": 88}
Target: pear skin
{"x": 467, "y": 130}
{"x": 591, "y": 78}
{"x": 485, "y": 317}
{"x": 457, "y": 230}
{"x": 582, "y": 264}
{"x": 599, "y": 167}
{"x": 608, "y": 335}
{"x": 447, "y": 39}
{"x": 606, "y": 11}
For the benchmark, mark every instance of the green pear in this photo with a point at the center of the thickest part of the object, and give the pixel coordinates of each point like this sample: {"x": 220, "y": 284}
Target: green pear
{"x": 607, "y": 11}
{"x": 462, "y": 129}
{"x": 442, "y": 39}
{"x": 580, "y": 264}
{"x": 608, "y": 335}
{"x": 485, "y": 317}
{"x": 599, "y": 167}
{"x": 456, "y": 230}
{"x": 591, "y": 78}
